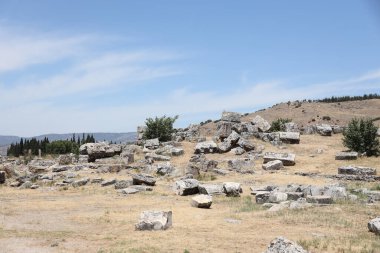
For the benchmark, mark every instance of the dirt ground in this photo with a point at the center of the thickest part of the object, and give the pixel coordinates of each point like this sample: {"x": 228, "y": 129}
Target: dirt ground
{"x": 97, "y": 219}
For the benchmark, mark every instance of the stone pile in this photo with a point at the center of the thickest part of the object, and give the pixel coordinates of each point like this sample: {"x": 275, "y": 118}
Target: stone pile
{"x": 186, "y": 187}
{"x": 297, "y": 196}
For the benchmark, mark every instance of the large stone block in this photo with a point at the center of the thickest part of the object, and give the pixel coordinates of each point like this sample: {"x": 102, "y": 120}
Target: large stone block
{"x": 154, "y": 220}
{"x": 287, "y": 159}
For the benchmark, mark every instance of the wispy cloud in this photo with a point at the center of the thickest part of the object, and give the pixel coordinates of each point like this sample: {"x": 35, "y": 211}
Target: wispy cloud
{"x": 81, "y": 71}
{"x": 80, "y": 67}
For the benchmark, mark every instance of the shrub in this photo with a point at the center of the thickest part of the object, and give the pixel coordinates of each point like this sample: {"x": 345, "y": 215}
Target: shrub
{"x": 360, "y": 136}
{"x": 161, "y": 128}
{"x": 279, "y": 124}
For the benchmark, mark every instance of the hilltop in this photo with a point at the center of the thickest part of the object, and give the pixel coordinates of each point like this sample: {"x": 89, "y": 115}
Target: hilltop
{"x": 310, "y": 113}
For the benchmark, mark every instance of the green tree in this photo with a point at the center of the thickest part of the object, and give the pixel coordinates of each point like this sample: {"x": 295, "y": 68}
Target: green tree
{"x": 360, "y": 136}
{"x": 279, "y": 125}
{"x": 161, "y": 128}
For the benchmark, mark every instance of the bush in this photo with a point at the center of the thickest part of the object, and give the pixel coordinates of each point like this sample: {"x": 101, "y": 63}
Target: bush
{"x": 279, "y": 125}
{"x": 161, "y": 128}
{"x": 360, "y": 136}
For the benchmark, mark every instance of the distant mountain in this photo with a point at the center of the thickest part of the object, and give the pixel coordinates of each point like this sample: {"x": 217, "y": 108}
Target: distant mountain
{"x": 114, "y": 137}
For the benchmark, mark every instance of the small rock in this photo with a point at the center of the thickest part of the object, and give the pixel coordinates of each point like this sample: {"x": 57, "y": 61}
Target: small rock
{"x": 26, "y": 185}
{"x": 273, "y": 165}
{"x": 238, "y": 151}
{"x": 186, "y": 187}
{"x": 108, "y": 182}
{"x": 206, "y": 147}
{"x": 97, "y": 180}
{"x": 261, "y": 123}
{"x": 154, "y": 220}
{"x": 289, "y": 137}
{"x": 231, "y": 117}
{"x": 129, "y": 191}
{"x": 283, "y": 245}
{"x": 146, "y": 179}
{"x": 322, "y": 199}
{"x": 262, "y": 197}
{"x": 80, "y": 182}
{"x": 177, "y": 151}
{"x": 202, "y": 201}
{"x": 232, "y": 189}
{"x": 374, "y": 226}
{"x": 152, "y": 144}
{"x": 122, "y": 184}
{"x": 34, "y": 186}
{"x": 324, "y": 130}
{"x": 277, "y": 197}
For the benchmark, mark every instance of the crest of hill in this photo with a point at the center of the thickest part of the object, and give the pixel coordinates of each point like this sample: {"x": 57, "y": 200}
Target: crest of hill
{"x": 311, "y": 113}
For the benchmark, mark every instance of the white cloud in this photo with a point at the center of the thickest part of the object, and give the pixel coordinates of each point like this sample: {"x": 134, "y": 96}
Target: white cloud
{"x": 22, "y": 49}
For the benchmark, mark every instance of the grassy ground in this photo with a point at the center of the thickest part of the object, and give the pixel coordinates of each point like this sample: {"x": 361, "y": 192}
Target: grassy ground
{"x": 97, "y": 219}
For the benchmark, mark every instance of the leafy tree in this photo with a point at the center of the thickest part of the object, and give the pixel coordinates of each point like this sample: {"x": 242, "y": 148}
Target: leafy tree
{"x": 360, "y": 136}
{"x": 279, "y": 124}
{"x": 161, "y": 128}
{"x": 62, "y": 147}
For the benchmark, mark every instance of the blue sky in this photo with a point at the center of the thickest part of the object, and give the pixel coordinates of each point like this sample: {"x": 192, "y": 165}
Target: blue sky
{"x": 105, "y": 66}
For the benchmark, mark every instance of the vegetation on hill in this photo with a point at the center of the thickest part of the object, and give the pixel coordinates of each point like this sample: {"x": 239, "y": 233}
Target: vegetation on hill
{"x": 279, "y": 124}
{"x": 334, "y": 99}
{"x": 360, "y": 136}
{"x": 47, "y": 147}
{"x": 161, "y": 128}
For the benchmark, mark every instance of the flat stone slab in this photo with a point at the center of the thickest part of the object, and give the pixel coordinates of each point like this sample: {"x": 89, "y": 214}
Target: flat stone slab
{"x": 356, "y": 170}
{"x": 129, "y": 191}
{"x": 346, "y": 156}
{"x": 287, "y": 159}
{"x": 321, "y": 199}
{"x": 211, "y": 189}
{"x": 289, "y": 137}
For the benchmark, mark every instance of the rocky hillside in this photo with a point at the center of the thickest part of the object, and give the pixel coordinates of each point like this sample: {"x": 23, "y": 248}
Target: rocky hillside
{"x": 305, "y": 113}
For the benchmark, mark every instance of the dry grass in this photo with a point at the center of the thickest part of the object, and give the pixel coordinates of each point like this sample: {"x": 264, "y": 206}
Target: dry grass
{"x": 97, "y": 219}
